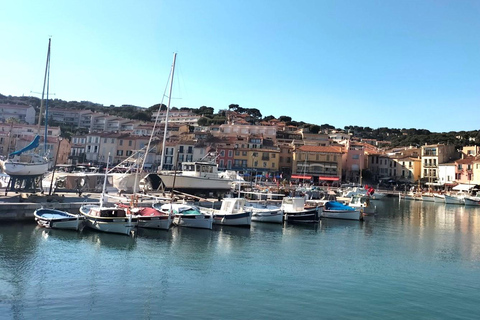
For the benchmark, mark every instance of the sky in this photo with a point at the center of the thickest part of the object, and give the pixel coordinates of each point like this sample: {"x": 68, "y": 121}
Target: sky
{"x": 370, "y": 63}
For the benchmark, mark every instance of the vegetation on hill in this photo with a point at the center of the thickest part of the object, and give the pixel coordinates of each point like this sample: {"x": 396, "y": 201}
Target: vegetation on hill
{"x": 397, "y": 137}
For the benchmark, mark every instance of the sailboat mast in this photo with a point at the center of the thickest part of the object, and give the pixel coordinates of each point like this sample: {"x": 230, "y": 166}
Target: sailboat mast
{"x": 168, "y": 108}
{"x": 47, "y": 68}
{"x": 46, "y": 101}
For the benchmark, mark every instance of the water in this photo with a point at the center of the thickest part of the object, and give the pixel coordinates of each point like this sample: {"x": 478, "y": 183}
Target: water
{"x": 412, "y": 260}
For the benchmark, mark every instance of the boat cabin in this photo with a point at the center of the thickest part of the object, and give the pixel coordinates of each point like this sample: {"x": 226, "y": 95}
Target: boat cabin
{"x": 233, "y": 205}
{"x": 293, "y": 204}
{"x": 109, "y": 213}
{"x": 200, "y": 169}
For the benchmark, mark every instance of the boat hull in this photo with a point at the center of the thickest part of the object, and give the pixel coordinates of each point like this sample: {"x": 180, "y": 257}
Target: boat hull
{"x": 306, "y": 216}
{"x": 56, "y": 219}
{"x": 268, "y": 216}
{"x": 25, "y": 169}
{"x": 242, "y": 219}
{"x": 474, "y": 201}
{"x": 120, "y": 225}
{"x": 199, "y": 221}
{"x": 155, "y": 222}
{"x": 454, "y": 200}
{"x": 342, "y": 214}
{"x": 196, "y": 183}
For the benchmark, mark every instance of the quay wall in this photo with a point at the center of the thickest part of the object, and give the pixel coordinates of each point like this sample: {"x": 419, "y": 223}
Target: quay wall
{"x": 11, "y": 211}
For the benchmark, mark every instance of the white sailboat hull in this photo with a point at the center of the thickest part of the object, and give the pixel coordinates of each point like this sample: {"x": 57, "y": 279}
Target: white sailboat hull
{"x": 25, "y": 169}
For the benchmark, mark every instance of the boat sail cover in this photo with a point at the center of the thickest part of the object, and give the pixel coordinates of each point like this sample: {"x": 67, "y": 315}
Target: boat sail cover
{"x": 32, "y": 145}
{"x": 334, "y": 205}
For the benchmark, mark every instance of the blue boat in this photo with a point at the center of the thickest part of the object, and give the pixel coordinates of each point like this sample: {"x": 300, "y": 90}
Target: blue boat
{"x": 56, "y": 219}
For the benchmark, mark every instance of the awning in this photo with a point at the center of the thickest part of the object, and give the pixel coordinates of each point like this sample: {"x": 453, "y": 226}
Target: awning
{"x": 463, "y": 187}
{"x": 329, "y": 178}
{"x": 295, "y": 176}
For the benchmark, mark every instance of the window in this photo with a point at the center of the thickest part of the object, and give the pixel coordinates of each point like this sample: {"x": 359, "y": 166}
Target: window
{"x": 355, "y": 156}
{"x": 181, "y": 149}
{"x": 230, "y": 153}
{"x": 190, "y": 149}
{"x": 130, "y": 143}
{"x": 222, "y": 154}
{"x": 120, "y": 142}
{"x": 119, "y": 152}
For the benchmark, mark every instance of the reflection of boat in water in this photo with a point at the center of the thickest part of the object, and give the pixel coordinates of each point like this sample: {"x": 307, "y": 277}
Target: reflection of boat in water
{"x": 110, "y": 241}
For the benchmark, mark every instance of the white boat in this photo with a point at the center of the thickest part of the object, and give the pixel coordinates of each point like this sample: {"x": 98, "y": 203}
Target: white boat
{"x": 153, "y": 218}
{"x": 472, "y": 201}
{"x": 196, "y": 177}
{"x": 109, "y": 219}
{"x": 232, "y": 213}
{"x": 407, "y": 196}
{"x": 262, "y": 212}
{"x": 26, "y": 162}
{"x": 336, "y": 210}
{"x": 185, "y": 215}
{"x": 439, "y": 198}
{"x": 428, "y": 197}
{"x": 56, "y": 219}
{"x": 296, "y": 211}
{"x": 363, "y": 203}
{"x": 455, "y": 198}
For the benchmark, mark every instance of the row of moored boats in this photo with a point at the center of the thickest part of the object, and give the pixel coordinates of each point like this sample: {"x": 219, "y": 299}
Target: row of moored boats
{"x": 123, "y": 219}
{"x": 459, "y": 198}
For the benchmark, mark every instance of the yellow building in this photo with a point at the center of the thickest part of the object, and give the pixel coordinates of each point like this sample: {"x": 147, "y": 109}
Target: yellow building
{"x": 263, "y": 160}
{"x": 408, "y": 169}
{"x": 317, "y": 163}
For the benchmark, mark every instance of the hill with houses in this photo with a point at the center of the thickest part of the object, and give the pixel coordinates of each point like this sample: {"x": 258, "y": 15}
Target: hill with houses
{"x": 244, "y": 140}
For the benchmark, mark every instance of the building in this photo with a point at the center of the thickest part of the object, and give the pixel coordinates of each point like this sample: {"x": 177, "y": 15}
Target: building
{"x": 24, "y": 114}
{"x": 317, "y": 163}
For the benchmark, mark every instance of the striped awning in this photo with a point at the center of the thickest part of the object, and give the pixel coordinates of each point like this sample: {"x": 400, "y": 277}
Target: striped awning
{"x": 297, "y": 176}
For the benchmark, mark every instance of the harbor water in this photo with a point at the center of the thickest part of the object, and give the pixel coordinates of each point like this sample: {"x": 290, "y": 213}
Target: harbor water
{"x": 412, "y": 260}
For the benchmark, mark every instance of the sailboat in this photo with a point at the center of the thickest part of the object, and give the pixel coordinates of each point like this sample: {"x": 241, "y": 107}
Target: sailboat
{"x": 26, "y": 162}
{"x": 129, "y": 181}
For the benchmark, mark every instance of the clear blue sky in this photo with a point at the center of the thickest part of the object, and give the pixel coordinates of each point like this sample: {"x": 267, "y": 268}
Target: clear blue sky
{"x": 397, "y": 64}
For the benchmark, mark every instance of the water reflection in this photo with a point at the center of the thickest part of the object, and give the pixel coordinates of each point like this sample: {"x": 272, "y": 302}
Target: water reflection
{"x": 108, "y": 240}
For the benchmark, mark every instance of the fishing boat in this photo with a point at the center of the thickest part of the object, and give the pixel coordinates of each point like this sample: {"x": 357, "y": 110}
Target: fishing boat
{"x": 111, "y": 219}
{"x": 153, "y": 218}
{"x": 472, "y": 201}
{"x": 56, "y": 219}
{"x": 364, "y": 204}
{"x": 262, "y": 212}
{"x": 457, "y": 198}
{"x": 296, "y": 211}
{"x": 439, "y": 198}
{"x": 336, "y": 210}
{"x": 231, "y": 213}
{"x": 29, "y": 162}
{"x": 185, "y": 215}
{"x": 107, "y": 217}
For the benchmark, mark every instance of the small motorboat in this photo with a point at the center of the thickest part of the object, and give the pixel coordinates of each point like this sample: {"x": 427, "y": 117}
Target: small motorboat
{"x": 336, "y": 210}
{"x": 232, "y": 213}
{"x": 56, "y": 219}
{"x": 109, "y": 219}
{"x": 264, "y": 212}
{"x": 153, "y": 218}
{"x": 295, "y": 211}
{"x": 185, "y": 215}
